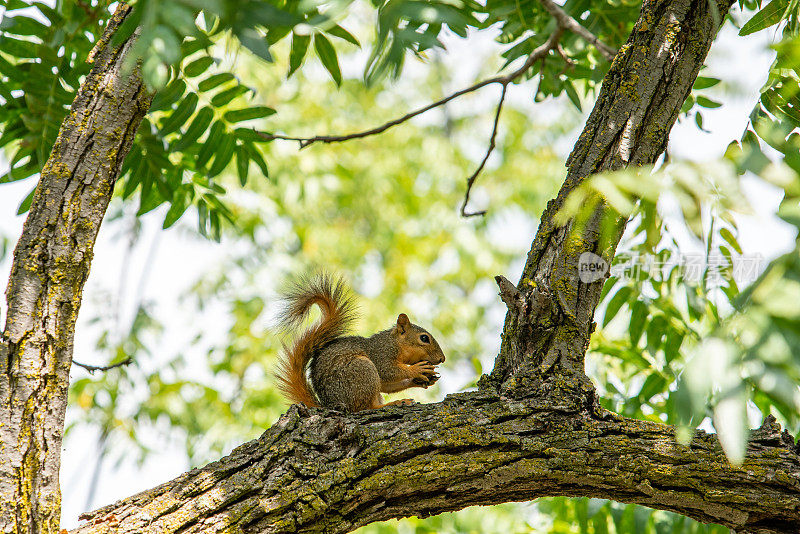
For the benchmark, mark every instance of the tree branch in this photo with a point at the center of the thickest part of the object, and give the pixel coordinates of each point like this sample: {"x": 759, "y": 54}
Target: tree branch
{"x": 306, "y": 141}
{"x": 471, "y": 179}
{"x": 329, "y": 472}
{"x": 563, "y": 21}
{"x": 535, "y": 427}
{"x": 534, "y": 56}
{"x": 93, "y": 368}
{"x": 639, "y": 101}
{"x": 569, "y": 23}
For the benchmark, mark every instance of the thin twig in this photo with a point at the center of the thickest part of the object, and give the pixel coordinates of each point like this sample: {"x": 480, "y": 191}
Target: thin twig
{"x": 568, "y": 23}
{"x": 305, "y": 141}
{"x": 471, "y": 179}
{"x": 93, "y": 368}
{"x": 539, "y": 53}
{"x": 568, "y": 62}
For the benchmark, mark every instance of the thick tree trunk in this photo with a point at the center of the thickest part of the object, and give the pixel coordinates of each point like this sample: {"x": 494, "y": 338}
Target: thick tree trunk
{"x": 51, "y": 263}
{"x": 534, "y": 428}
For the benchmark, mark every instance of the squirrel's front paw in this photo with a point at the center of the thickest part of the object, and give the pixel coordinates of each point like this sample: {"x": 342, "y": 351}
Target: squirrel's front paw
{"x": 425, "y": 381}
{"x": 425, "y": 374}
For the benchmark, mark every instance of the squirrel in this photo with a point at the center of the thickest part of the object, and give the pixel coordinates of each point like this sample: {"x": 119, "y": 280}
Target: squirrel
{"x": 349, "y": 372}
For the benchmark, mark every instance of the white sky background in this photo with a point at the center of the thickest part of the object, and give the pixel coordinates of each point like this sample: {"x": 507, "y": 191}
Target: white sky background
{"x": 177, "y": 260}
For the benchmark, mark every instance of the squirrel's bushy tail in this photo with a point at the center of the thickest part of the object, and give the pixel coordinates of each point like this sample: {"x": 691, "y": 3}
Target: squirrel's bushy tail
{"x": 338, "y": 311}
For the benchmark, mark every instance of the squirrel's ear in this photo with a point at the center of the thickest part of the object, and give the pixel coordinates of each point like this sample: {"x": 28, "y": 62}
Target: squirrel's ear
{"x": 403, "y": 323}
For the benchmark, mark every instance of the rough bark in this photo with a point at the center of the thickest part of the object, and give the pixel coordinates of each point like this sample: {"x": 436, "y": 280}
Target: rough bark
{"x": 534, "y": 428}
{"x": 51, "y": 263}
{"x": 640, "y": 99}
{"x": 322, "y": 471}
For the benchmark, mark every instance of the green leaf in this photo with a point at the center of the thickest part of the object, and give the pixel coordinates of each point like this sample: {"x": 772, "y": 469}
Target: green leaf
{"x": 198, "y": 66}
{"x": 250, "y": 135}
{"x": 210, "y": 146}
{"x": 298, "y": 53}
{"x": 11, "y": 5}
{"x": 224, "y": 153}
{"x": 327, "y": 55}
{"x": 698, "y": 119}
{"x": 198, "y": 126}
{"x": 136, "y": 174}
{"x": 341, "y": 33}
{"x": 242, "y": 163}
{"x": 180, "y": 18}
{"x": 20, "y": 173}
{"x": 215, "y": 80}
{"x": 168, "y": 95}
{"x": 18, "y": 48}
{"x": 655, "y": 331}
{"x": 704, "y": 82}
{"x": 638, "y": 319}
{"x": 729, "y": 238}
{"x": 191, "y": 45}
{"x": 177, "y": 209}
{"x": 246, "y": 114}
{"x": 687, "y": 104}
{"x": 654, "y": 384}
{"x": 266, "y": 14}
{"x": 224, "y": 97}
{"x": 180, "y": 115}
{"x": 707, "y": 102}
{"x": 150, "y": 199}
{"x": 616, "y": 302}
{"x": 256, "y": 156}
{"x": 771, "y": 14}
{"x": 572, "y": 94}
{"x": 12, "y": 134}
{"x": 256, "y": 43}
{"x": 20, "y": 25}
{"x": 25, "y": 205}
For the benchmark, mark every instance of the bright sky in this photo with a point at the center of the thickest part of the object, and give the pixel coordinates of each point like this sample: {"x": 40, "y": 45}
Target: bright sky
{"x": 175, "y": 260}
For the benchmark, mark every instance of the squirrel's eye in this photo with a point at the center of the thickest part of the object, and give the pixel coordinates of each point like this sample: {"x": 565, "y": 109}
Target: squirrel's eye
{"x": 424, "y": 338}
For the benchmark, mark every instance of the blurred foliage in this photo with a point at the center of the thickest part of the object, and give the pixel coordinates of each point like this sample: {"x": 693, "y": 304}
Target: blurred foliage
{"x": 599, "y": 516}
{"x": 382, "y": 211}
{"x": 501, "y": 519}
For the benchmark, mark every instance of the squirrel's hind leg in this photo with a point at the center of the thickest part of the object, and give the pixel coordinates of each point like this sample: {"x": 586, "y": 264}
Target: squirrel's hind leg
{"x": 367, "y": 385}
{"x": 352, "y": 385}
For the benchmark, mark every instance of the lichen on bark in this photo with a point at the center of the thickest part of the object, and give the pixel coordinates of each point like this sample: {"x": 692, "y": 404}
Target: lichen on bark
{"x": 50, "y": 266}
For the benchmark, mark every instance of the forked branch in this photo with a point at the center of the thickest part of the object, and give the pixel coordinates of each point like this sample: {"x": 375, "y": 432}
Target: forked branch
{"x": 563, "y": 22}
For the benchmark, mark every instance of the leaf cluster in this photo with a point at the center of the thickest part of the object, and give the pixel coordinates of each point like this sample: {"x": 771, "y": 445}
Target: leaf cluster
{"x": 43, "y": 54}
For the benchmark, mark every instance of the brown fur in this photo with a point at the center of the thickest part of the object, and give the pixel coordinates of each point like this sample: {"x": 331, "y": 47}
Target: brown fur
{"x": 337, "y": 309}
{"x": 350, "y": 372}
